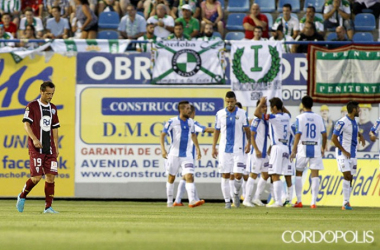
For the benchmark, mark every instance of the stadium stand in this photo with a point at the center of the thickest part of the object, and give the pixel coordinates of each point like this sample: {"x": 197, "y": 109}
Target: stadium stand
{"x": 318, "y": 5}
{"x": 266, "y": 5}
{"x": 235, "y": 21}
{"x": 331, "y": 36}
{"x": 296, "y": 6}
{"x": 107, "y": 34}
{"x": 108, "y": 20}
{"x": 365, "y": 22}
{"x": 362, "y": 37}
{"x": 270, "y": 19}
{"x": 216, "y": 33}
{"x": 235, "y": 36}
{"x": 238, "y": 6}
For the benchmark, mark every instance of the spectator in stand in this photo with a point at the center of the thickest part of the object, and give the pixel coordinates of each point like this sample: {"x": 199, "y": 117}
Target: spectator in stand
{"x": 108, "y": 5}
{"x": 338, "y": 13}
{"x": 30, "y": 34}
{"x": 340, "y": 37}
{"x": 5, "y": 35}
{"x": 258, "y": 34}
{"x": 163, "y": 23}
{"x": 63, "y": 4}
{"x": 132, "y": 26}
{"x": 57, "y": 27}
{"x": 190, "y": 24}
{"x": 156, "y": 3}
{"x": 76, "y": 28}
{"x": 177, "y": 10}
{"x": 9, "y": 26}
{"x": 178, "y": 34}
{"x": 212, "y": 13}
{"x": 373, "y": 5}
{"x": 309, "y": 34}
{"x": 87, "y": 18}
{"x": 13, "y": 7}
{"x": 255, "y": 18}
{"x": 209, "y": 34}
{"x": 310, "y": 16}
{"x": 37, "y": 7}
{"x": 149, "y": 36}
{"x": 291, "y": 24}
{"x": 31, "y": 19}
{"x": 278, "y": 35}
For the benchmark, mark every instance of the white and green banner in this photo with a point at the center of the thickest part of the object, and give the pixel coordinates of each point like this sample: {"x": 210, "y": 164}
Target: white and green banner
{"x": 188, "y": 62}
{"x": 19, "y": 53}
{"x": 255, "y": 70}
{"x": 90, "y": 45}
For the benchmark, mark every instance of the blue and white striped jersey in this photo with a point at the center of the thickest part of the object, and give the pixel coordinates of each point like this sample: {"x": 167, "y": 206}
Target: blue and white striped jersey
{"x": 180, "y": 134}
{"x": 310, "y": 125}
{"x": 279, "y": 128}
{"x": 261, "y": 128}
{"x": 231, "y": 126}
{"x": 347, "y": 132}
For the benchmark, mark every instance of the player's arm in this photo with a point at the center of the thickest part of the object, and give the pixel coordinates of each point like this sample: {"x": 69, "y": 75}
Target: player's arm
{"x": 214, "y": 142}
{"x": 258, "y": 153}
{"x": 372, "y": 136}
{"x": 32, "y": 136}
{"x": 324, "y": 143}
{"x": 297, "y": 138}
{"x": 337, "y": 144}
{"x": 196, "y": 144}
{"x": 55, "y": 138}
{"x": 361, "y": 138}
{"x": 248, "y": 134}
{"x": 162, "y": 143}
{"x": 258, "y": 109}
{"x": 209, "y": 130}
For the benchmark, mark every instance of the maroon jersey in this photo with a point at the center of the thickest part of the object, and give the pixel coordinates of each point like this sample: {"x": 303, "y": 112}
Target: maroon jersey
{"x": 43, "y": 119}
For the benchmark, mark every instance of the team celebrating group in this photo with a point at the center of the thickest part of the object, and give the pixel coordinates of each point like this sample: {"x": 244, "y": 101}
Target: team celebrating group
{"x": 260, "y": 151}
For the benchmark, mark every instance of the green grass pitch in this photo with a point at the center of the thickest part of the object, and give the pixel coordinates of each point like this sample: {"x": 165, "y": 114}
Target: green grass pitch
{"x": 151, "y": 225}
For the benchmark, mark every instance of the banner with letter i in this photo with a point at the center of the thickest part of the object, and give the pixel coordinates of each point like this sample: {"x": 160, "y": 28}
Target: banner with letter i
{"x": 256, "y": 70}
{"x": 188, "y": 62}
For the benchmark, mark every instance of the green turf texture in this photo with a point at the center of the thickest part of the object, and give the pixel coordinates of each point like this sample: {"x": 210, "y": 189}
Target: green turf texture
{"x": 151, "y": 225}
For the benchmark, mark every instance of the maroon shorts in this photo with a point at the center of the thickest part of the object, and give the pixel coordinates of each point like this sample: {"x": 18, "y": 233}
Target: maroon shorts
{"x": 42, "y": 164}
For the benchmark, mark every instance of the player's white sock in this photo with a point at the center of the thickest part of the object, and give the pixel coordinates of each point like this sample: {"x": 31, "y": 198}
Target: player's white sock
{"x": 283, "y": 190}
{"x": 298, "y": 186}
{"x": 277, "y": 189}
{"x": 314, "y": 190}
{"x": 169, "y": 191}
{"x": 260, "y": 188}
{"x": 243, "y": 187}
{"x": 237, "y": 185}
{"x": 289, "y": 196}
{"x": 232, "y": 187}
{"x": 249, "y": 189}
{"x": 271, "y": 188}
{"x": 346, "y": 191}
{"x": 190, "y": 188}
{"x": 180, "y": 190}
{"x": 226, "y": 190}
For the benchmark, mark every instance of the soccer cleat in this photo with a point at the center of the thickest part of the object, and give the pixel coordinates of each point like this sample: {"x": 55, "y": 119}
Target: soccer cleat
{"x": 287, "y": 204}
{"x": 271, "y": 202}
{"x": 20, "y": 203}
{"x": 313, "y": 206}
{"x": 241, "y": 197}
{"x": 169, "y": 204}
{"x": 236, "y": 200}
{"x": 298, "y": 204}
{"x": 50, "y": 210}
{"x": 274, "y": 205}
{"x": 248, "y": 204}
{"x": 258, "y": 203}
{"x": 347, "y": 206}
{"x": 175, "y": 204}
{"x": 202, "y": 201}
{"x": 228, "y": 205}
{"x": 196, "y": 203}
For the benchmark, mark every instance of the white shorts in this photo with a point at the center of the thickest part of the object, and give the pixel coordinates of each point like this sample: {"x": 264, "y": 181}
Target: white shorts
{"x": 173, "y": 164}
{"x": 246, "y": 162}
{"x": 231, "y": 163}
{"x": 258, "y": 165}
{"x": 279, "y": 160}
{"x": 345, "y": 165}
{"x": 290, "y": 170}
{"x": 314, "y": 163}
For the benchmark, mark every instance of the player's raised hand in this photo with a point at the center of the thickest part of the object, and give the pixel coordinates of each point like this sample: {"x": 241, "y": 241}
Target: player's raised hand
{"x": 214, "y": 153}
{"x": 164, "y": 154}
{"x": 263, "y": 100}
{"x": 37, "y": 143}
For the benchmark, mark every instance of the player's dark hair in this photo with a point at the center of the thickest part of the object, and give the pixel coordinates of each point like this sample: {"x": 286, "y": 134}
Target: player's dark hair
{"x": 239, "y": 105}
{"x": 307, "y": 102}
{"x": 287, "y": 5}
{"x": 46, "y": 84}
{"x": 276, "y": 102}
{"x": 230, "y": 94}
{"x": 192, "y": 108}
{"x": 182, "y": 104}
{"x": 311, "y": 7}
{"x": 351, "y": 105}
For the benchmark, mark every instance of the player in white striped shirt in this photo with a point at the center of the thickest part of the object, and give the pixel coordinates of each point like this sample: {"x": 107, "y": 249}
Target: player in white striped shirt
{"x": 181, "y": 130}
{"x": 375, "y": 131}
{"x": 307, "y": 149}
{"x": 229, "y": 123}
{"x": 279, "y": 126}
{"x": 345, "y": 138}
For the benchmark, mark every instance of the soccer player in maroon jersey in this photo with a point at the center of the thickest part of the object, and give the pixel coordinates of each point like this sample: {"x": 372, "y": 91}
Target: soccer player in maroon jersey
{"x": 41, "y": 124}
